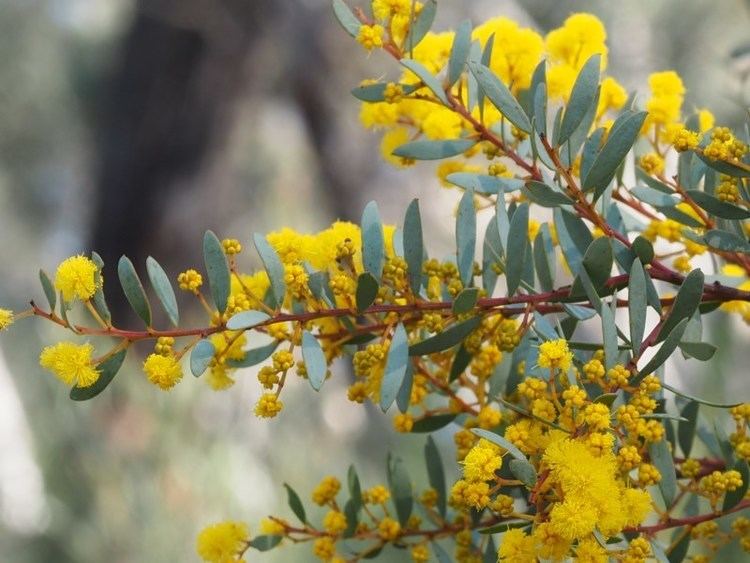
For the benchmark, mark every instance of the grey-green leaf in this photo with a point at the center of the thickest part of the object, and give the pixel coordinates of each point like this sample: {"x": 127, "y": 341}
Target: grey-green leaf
{"x": 346, "y": 18}
{"x": 466, "y": 237}
{"x": 619, "y": 143}
{"x": 107, "y": 371}
{"x": 254, "y": 356}
{"x": 518, "y": 240}
{"x": 421, "y": 25}
{"x": 446, "y": 339}
{"x": 373, "y": 240}
{"x": 465, "y": 301}
{"x": 435, "y": 473}
{"x": 702, "y": 351}
{"x": 661, "y": 457}
{"x": 401, "y": 490}
{"x": 459, "y": 52}
{"x": 686, "y": 430}
{"x": 395, "y": 367}
{"x": 247, "y": 319}
{"x": 427, "y": 78}
{"x": 523, "y": 471}
{"x": 685, "y": 304}
{"x": 726, "y": 241}
{"x": 315, "y": 360}
{"x": 637, "y": 304}
{"x": 413, "y": 245}
{"x": 163, "y": 289}
{"x": 718, "y": 207}
{"x": 581, "y": 98}
{"x": 49, "y": 290}
{"x": 201, "y": 357}
{"x": 662, "y": 354}
{"x": 217, "y": 269}
{"x": 544, "y": 195}
{"x": 500, "y": 441}
{"x": 434, "y": 150}
{"x": 367, "y": 291}
{"x": 500, "y": 96}
{"x": 133, "y": 289}
{"x": 274, "y": 268}
{"x": 295, "y": 503}
{"x": 99, "y": 301}
{"x": 265, "y": 542}
{"x": 484, "y": 183}
{"x": 609, "y": 331}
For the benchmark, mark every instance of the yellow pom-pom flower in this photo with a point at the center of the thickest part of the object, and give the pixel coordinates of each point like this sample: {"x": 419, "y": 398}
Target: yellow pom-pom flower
{"x": 326, "y": 490}
{"x": 222, "y": 542}
{"x": 6, "y": 318}
{"x": 482, "y": 461}
{"x": 190, "y": 280}
{"x": 371, "y": 36}
{"x": 77, "y": 278}
{"x": 163, "y": 371}
{"x": 268, "y": 406}
{"x": 71, "y": 363}
{"x": 555, "y": 354}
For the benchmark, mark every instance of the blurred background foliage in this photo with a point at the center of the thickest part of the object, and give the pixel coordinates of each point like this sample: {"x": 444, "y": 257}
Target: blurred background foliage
{"x": 131, "y": 126}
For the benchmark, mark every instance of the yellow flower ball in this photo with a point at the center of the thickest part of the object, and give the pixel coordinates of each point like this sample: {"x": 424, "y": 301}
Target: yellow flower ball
{"x": 76, "y": 278}
{"x": 162, "y": 371}
{"x": 71, "y": 363}
{"x": 222, "y": 542}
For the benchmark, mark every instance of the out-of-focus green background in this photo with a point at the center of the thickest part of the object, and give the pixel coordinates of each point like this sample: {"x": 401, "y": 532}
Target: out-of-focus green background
{"x": 130, "y": 127}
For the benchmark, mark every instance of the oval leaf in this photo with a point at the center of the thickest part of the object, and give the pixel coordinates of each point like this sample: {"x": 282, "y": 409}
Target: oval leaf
{"x": 163, "y": 289}
{"x": 619, "y": 142}
{"x": 446, "y": 339}
{"x": 107, "y": 371}
{"x": 346, "y": 18}
{"x": 247, "y": 319}
{"x": 367, "y": 291}
{"x": 459, "y": 52}
{"x": 500, "y": 441}
{"x": 413, "y": 245}
{"x": 49, "y": 290}
{"x": 433, "y": 150}
{"x": 373, "y": 252}
{"x": 543, "y": 195}
{"x": 466, "y": 237}
{"x": 685, "y": 304}
{"x": 295, "y": 503}
{"x": 717, "y": 207}
{"x": 133, "y": 289}
{"x": 500, "y": 96}
{"x": 662, "y": 354}
{"x": 661, "y": 457}
{"x": 395, "y": 367}
{"x": 435, "y": 473}
{"x": 427, "y": 78}
{"x": 581, "y": 98}
{"x": 274, "y": 268}
{"x": 315, "y": 360}
{"x": 465, "y": 301}
{"x": 518, "y": 240}
{"x": 401, "y": 491}
{"x": 255, "y": 356}
{"x": 217, "y": 269}
{"x": 201, "y": 357}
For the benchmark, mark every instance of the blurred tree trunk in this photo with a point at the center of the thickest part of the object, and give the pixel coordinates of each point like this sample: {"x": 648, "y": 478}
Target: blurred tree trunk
{"x": 182, "y": 71}
{"x": 168, "y": 104}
